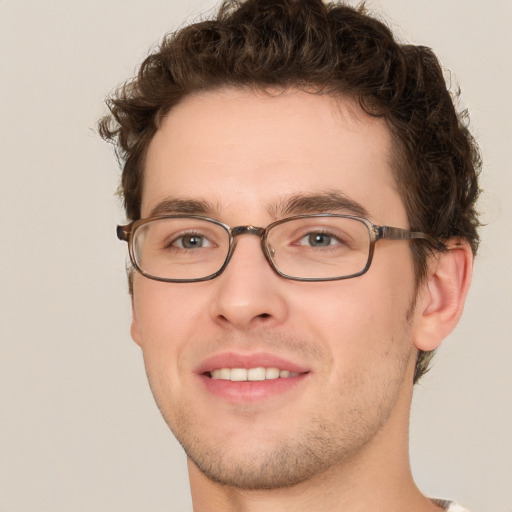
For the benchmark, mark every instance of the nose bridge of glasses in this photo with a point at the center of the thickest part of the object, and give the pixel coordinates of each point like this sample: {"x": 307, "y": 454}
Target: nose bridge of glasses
{"x": 251, "y": 230}
{"x": 247, "y": 230}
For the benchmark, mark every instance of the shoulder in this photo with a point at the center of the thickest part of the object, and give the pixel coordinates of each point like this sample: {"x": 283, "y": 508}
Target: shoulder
{"x": 453, "y": 507}
{"x": 450, "y": 506}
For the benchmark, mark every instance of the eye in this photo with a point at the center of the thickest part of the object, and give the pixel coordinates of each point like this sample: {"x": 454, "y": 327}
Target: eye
{"x": 191, "y": 241}
{"x": 319, "y": 239}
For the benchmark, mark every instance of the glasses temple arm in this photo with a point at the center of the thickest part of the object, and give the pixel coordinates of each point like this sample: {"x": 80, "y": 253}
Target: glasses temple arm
{"x": 123, "y": 232}
{"x": 391, "y": 233}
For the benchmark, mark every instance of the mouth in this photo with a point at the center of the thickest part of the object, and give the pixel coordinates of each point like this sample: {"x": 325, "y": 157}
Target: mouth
{"x": 250, "y": 377}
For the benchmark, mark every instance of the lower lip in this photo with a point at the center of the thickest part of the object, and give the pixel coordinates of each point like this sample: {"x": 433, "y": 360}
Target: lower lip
{"x": 250, "y": 391}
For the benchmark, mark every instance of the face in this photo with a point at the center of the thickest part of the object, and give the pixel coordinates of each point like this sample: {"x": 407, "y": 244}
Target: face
{"x": 247, "y": 158}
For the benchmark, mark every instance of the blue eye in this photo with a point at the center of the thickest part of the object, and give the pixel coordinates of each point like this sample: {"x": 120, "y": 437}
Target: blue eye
{"x": 191, "y": 241}
{"x": 319, "y": 239}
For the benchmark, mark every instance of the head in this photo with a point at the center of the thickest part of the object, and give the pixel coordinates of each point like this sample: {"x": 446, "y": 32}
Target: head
{"x": 279, "y": 101}
{"x": 257, "y": 114}
{"x": 323, "y": 49}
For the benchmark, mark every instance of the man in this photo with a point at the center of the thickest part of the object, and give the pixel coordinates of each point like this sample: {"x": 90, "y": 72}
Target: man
{"x": 302, "y": 196}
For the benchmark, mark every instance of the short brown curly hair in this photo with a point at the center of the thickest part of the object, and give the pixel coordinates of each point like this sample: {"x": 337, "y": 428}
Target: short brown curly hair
{"x": 331, "y": 49}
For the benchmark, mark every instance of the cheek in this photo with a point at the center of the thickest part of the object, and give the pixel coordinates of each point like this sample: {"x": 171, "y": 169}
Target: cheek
{"x": 162, "y": 311}
{"x": 362, "y": 321}
{"x": 165, "y": 321}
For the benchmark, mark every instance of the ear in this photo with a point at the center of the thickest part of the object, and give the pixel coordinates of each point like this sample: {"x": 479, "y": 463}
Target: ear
{"x": 134, "y": 329}
{"x": 442, "y": 294}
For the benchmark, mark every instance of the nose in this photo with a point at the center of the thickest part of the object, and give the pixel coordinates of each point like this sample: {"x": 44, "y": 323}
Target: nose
{"x": 248, "y": 293}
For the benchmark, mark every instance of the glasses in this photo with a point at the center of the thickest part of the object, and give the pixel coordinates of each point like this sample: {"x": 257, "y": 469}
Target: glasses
{"x": 320, "y": 247}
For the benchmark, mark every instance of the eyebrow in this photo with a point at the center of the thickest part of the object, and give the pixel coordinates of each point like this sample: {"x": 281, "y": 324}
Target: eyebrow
{"x": 296, "y": 204}
{"x": 177, "y": 206}
{"x": 328, "y": 202}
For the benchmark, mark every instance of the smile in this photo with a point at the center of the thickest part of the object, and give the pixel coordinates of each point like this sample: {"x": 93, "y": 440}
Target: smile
{"x": 251, "y": 374}
{"x": 239, "y": 378}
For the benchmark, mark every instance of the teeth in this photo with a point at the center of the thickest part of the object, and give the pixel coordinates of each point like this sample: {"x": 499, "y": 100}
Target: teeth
{"x": 255, "y": 374}
{"x": 238, "y": 374}
{"x": 224, "y": 373}
{"x": 251, "y": 374}
{"x": 272, "y": 373}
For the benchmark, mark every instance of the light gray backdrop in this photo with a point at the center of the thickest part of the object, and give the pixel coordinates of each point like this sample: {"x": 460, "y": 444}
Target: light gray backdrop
{"x": 78, "y": 427}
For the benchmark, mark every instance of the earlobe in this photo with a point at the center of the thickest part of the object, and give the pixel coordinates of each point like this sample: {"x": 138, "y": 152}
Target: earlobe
{"x": 443, "y": 294}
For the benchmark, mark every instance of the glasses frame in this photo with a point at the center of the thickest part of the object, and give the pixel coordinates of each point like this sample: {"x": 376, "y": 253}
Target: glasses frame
{"x": 126, "y": 233}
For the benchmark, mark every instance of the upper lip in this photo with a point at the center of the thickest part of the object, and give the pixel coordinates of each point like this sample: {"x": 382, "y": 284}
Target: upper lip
{"x": 252, "y": 360}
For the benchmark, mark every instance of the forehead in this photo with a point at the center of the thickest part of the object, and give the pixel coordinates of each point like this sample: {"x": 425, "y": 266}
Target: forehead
{"x": 244, "y": 150}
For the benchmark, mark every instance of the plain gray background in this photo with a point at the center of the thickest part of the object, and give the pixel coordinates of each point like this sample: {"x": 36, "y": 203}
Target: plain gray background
{"x": 78, "y": 427}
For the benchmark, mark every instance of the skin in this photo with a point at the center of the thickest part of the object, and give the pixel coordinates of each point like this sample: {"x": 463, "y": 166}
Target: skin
{"x": 338, "y": 439}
